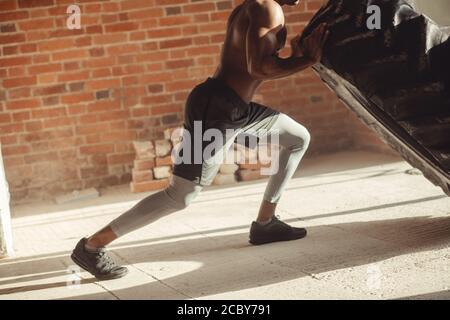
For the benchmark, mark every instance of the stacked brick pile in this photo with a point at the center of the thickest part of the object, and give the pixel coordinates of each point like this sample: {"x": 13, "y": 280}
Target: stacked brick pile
{"x": 242, "y": 164}
{"x": 153, "y": 163}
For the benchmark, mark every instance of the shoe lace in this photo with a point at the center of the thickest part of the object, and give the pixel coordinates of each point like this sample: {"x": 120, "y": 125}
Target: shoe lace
{"x": 281, "y": 222}
{"x": 105, "y": 259}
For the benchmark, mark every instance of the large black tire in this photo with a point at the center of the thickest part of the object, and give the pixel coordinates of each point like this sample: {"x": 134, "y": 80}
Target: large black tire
{"x": 397, "y": 78}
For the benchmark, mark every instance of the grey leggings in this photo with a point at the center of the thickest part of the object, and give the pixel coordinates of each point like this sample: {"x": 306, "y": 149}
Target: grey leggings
{"x": 294, "y": 140}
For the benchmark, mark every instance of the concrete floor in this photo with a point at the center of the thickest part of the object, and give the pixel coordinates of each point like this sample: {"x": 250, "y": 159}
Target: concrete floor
{"x": 375, "y": 232}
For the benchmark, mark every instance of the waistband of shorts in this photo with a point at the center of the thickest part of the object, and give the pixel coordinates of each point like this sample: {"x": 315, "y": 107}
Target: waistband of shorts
{"x": 227, "y": 91}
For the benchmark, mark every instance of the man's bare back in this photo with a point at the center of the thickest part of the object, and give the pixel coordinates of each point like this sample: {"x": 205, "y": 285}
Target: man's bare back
{"x": 256, "y": 32}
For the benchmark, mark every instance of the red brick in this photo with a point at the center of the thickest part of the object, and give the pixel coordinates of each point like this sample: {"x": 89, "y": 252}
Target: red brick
{"x": 17, "y": 71}
{"x": 101, "y": 148}
{"x": 68, "y": 55}
{"x": 73, "y": 110}
{"x": 11, "y": 128}
{"x": 72, "y": 65}
{"x": 200, "y": 7}
{"x": 33, "y": 126}
{"x": 35, "y": 3}
{"x": 142, "y": 176}
{"x": 83, "y": 41}
{"x": 165, "y": 109}
{"x": 144, "y": 150}
{"x": 92, "y": 129}
{"x": 23, "y": 104}
{"x": 56, "y": 45}
{"x": 101, "y": 73}
{"x": 5, "y": 117}
{"x": 181, "y": 42}
{"x": 109, "y": 38}
{"x": 249, "y": 175}
{"x": 13, "y": 16}
{"x": 120, "y": 158}
{"x": 201, "y": 18}
{"x": 120, "y": 27}
{"x": 100, "y": 62}
{"x": 57, "y": 122}
{"x": 94, "y": 29}
{"x": 46, "y": 23}
{"x": 166, "y": 161}
{"x": 137, "y": 36}
{"x": 48, "y": 112}
{"x": 12, "y": 38}
{"x": 64, "y": 32}
{"x": 45, "y": 79}
{"x": 114, "y": 115}
{"x": 41, "y": 58}
{"x": 23, "y": 92}
{"x": 28, "y": 48}
{"x": 40, "y": 157}
{"x": 175, "y": 20}
{"x": 313, "y": 5}
{"x": 118, "y": 136}
{"x": 52, "y": 90}
{"x": 8, "y": 62}
{"x": 6, "y": 5}
{"x": 164, "y": 32}
{"x": 21, "y": 116}
{"x": 175, "y": 64}
{"x": 103, "y": 105}
{"x": 77, "y": 97}
{"x": 219, "y": 16}
{"x": 122, "y": 49}
{"x": 4, "y": 140}
{"x": 144, "y": 164}
{"x": 134, "y": 4}
{"x": 256, "y": 166}
{"x": 73, "y": 76}
{"x": 144, "y": 14}
{"x": 93, "y": 172}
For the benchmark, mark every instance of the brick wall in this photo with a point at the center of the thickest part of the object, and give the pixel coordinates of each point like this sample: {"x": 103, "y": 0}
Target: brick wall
{"x": 72, "y": 101}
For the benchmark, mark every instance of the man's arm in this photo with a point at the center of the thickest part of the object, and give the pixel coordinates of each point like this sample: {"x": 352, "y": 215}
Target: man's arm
{"x": 263, "y": 61}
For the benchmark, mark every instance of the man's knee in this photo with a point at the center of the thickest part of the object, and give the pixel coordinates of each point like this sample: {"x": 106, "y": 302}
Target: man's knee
{"x": 182, "y": 192}
{"x": 304, "y": 137}
{"x": 298, "y": 137}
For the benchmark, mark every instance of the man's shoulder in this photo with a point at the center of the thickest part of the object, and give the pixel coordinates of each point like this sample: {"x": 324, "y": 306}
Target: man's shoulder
{"x": 264, "y": 8}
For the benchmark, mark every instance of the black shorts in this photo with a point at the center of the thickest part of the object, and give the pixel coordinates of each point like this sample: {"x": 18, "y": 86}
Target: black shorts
{"x": 218, "y": 106}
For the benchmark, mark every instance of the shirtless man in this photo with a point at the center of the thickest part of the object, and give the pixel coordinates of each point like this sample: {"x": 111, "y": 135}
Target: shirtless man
{"x": 255, "y": 33}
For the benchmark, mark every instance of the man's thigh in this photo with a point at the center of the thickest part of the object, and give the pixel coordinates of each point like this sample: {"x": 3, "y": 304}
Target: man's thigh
{"x": 203, "y": 167}
{"x": 260, "y": 121}
{"x": 259, "y": 126}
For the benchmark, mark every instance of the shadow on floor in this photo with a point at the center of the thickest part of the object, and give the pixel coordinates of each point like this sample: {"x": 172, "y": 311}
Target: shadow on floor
{"x": 309, "y": 168}
{"x": 244, "y": 194}
{"x": 440, "y": 295}
{"x": 226, "y": 260}
{"x": 234, "y": 228}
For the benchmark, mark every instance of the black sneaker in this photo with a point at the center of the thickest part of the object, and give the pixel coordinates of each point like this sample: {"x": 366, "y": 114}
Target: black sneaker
{"x": 274, "y": 231}
{"x": 98, "y": 263}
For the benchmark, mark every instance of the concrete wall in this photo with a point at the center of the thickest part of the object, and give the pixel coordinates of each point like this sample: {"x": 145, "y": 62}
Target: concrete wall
{"x": 6, "y": 242}
{"x": 438, "y": 10}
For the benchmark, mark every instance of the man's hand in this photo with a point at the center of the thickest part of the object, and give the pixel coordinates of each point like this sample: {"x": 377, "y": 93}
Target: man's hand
{"x": 313, "y": 44}
{"x": 297, "y": 51}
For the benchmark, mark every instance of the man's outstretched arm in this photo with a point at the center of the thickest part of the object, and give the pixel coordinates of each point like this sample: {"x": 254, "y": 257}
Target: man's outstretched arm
{"x": 262, "y": 44}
